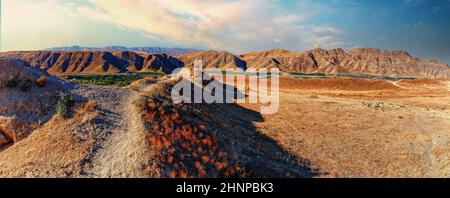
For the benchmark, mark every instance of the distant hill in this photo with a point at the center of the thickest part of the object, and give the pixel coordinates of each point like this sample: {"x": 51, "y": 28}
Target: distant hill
{"x": 368, "y": 61}
{"x": 148, "y": 50}
{"x": 213, "y": 59}
{"x": 96, "y": 62}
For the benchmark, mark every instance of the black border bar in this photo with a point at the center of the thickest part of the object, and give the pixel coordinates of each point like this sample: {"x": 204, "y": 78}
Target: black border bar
{"x": 169, "y": 186}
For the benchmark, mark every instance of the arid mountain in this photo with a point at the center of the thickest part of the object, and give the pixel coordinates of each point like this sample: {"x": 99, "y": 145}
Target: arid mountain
{"x": 358, "y": 61}
{"x": 148, "y": 50}
{"x": 392, "y": 63}
{"x": 214, "y": 59}
{"x": 57, "y": 62}
{"x": 367, "y": 61}
{"x": 336, "y": 61}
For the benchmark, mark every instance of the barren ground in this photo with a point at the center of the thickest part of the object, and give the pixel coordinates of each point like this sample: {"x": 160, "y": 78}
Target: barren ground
{"x": 107, "y": 142}
{"x": 365, "y": 133}
{"x": 325, "y": 128}
{"x": 120, "y": 150}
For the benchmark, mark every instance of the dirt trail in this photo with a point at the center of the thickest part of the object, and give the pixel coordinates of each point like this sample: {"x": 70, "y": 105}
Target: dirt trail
{"x": 119, "y": 150}
{"x": 395, "y": 83}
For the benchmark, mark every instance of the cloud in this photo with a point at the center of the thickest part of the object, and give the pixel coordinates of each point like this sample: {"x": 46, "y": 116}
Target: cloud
{"x": 418, "y": 24}
{"x": 28, "y": 24}
{"x": 222, "y": 24}
{"x": 444, "y": 6}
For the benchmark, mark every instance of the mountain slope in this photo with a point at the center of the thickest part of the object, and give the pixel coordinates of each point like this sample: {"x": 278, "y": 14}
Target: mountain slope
{"x": 57, "y": 62}
{"x": 24, "y": 108}
{"x": 367, "y": 61}
{"x": 392, "y": 63}
{"x": 358, "y": 61}
{"x": 213, "y": 59}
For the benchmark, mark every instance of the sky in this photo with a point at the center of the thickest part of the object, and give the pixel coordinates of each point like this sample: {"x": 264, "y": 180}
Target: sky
{"x": 421, "y": 27}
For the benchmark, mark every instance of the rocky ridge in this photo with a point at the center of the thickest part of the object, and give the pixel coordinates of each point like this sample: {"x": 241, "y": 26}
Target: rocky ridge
{"x": 367, "y": 61}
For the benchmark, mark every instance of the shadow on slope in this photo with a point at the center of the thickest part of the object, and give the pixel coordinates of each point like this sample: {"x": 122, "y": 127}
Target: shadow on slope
{"x": 213, "y": 140}
{"x": 259, "y": 155}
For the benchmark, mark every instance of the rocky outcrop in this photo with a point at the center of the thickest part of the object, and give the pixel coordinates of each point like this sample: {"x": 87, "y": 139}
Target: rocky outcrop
{"x": 23, "y": 110}
{"x": 3, "y": 140}
{"x": 95, "y": 62}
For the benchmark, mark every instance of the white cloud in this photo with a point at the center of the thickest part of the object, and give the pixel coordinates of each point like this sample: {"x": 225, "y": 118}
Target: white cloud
{"x": 419, "y": 24}
{"x": 223, "y": 24}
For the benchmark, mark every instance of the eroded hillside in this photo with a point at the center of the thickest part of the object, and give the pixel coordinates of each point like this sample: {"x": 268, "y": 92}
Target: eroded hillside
{"x": 366, "y": 61}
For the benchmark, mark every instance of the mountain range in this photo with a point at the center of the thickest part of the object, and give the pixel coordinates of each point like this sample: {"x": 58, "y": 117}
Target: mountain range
{"x": 369, "y": 61}
{"x": 150, "y": 50}
{"x": 96, "y": 62}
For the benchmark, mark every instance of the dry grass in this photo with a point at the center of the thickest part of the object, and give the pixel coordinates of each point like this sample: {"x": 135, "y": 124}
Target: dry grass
{"x": 50, "y": 151}
{"x": 89, "y": 106}
{"x": 337, "y": 127}
{"x": 149, "y": 79}
{"x": 345, "y": 84}
{"x": 368, "y": 89}
{"x": 182, "y": 148}
{"x": 212, "y": 140}
{"x": 41, "y": 81}
{"x": 377, "y": 133}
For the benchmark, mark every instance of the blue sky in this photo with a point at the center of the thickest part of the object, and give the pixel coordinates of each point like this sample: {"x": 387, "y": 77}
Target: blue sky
{"x": 418, "y": 26}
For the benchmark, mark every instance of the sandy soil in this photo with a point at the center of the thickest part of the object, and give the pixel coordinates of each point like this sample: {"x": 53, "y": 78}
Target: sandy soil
{"x": 325, "y": 128}
{"x": 108, "y": 142}
{"x": 376, "y": 133}
{"x": 120, "y": 151}
{"x": 50, "y": 151}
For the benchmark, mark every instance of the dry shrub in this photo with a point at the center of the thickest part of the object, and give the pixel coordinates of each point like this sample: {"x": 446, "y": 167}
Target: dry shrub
{"x": 12, "y": 82}
{"x": 25, "y": 85}
{"x": 64, "y": 107}
{"x": 148, "y": 79}
{"x": 134, "y": 87}
{"x": 314, "y": 96}
{"x": 346, "y": 84}
{"x": 184, "y": 148}
{"x": 41, "y": 81}
{"x": 140, "y": 102}
{"x": 90, "y": 106}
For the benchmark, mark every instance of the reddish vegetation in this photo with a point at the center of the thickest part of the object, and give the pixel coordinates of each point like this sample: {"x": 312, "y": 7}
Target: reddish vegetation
{"x": 184, "y": 148}
{"x": 41, "y": 81}
{"x": 89, "y": 106}
{"x": 149, "y": 79}
{"x": 346, "y": 84}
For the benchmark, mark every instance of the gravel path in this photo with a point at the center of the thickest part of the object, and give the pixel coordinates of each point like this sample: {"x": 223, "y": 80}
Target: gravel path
{"x": 119, "y": 149}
